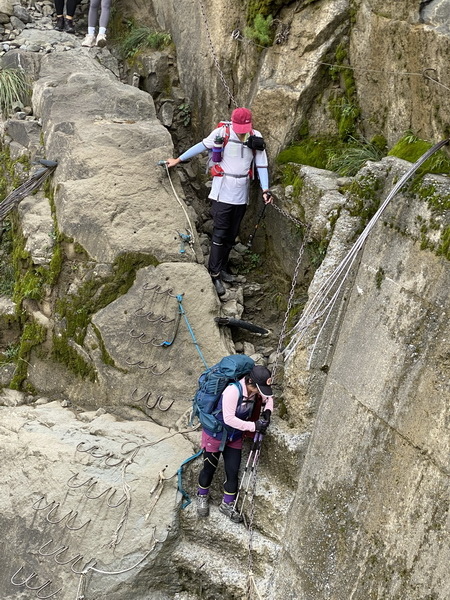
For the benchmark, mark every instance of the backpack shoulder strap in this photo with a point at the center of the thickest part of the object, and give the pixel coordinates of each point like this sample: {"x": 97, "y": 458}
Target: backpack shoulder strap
{"x": 226, "y": 126}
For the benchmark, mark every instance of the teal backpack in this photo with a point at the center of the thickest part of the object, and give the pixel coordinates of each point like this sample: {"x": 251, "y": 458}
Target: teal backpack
{"x": 211, "y": 385}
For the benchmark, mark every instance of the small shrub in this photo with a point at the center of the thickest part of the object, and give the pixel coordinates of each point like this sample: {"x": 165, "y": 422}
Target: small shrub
{"x": 261, "y": 32}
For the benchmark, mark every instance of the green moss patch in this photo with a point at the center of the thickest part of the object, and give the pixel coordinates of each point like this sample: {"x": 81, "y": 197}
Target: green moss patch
{"x": 411, "y": 148}
{"x": 76, "y": 312}
{"x": 32, "y": 335}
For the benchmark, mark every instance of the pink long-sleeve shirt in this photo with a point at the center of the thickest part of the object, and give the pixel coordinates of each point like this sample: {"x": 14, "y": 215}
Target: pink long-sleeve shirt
{"x": 229, "y": 405}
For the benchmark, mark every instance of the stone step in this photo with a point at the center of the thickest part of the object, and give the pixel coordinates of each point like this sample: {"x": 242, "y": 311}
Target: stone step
{"x": 218, "y": 531}
{"x": 218, "y": 572}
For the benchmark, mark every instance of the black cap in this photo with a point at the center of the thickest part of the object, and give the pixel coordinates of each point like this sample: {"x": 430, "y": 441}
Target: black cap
{"x": 262, "y": 378}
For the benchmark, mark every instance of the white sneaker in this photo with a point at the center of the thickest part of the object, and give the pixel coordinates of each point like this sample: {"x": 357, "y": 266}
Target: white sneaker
{"x": 101, "y": 40}
{"x": 89, "y": 40}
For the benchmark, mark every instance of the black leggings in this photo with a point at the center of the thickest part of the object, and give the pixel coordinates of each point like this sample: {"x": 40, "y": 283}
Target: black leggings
{"x": 71, "y": 6}
{"x": 227, "y": 221}
{"x": 231, "y": 461}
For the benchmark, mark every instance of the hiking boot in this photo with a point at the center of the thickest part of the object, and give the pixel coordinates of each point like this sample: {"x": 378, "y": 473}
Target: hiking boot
{"x": 69, "y": 26}
{"x": 218, "y": 285}
{"x": 89, "y": 40}
{"x": 227, "y": 277}
{"x": 59, "y": 25}
{"x": 202, "y": 505}
{"x": 231, "y": 512}
{"x": 101, "y": 40}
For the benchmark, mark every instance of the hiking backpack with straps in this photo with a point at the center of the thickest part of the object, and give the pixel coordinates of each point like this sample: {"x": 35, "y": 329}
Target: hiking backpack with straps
{"x": 254, "y": 142}
{"x": 211, "y": 385}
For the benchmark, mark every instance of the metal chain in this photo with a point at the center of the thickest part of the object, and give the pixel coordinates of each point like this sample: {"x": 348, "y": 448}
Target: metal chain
{"x": 288, "y": 216}
{"x": 216, "y": 62}
{"x": 289, "y": 304}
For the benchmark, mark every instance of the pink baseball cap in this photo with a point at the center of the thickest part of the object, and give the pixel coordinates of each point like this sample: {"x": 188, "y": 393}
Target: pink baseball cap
{"x": 241, "y": 119}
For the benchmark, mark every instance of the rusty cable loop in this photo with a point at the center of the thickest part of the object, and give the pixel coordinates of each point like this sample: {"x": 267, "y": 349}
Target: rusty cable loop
{"x": 33, "y": 574}
{"x": 41, "y": 507}
{"x": 146, "y": 395}
{"x": 95, "y": 497}
{"x": 153, "y": 287}
{"x": 121, "y": 501}
{"x": 133, "y": 364}
{"x": 65, "y": 562}
{"x": 72, "y": 518}
{"x": 132, "y": 332}
{"x": 39, "y": 587}
{"x": 50, "y": 595}
{"x": 118, "y": 462}
{"x": 79, "y": 449}
{"x": 157, "y": 404}
{"x": 83, "y": 571}
{"x": 78, "y": 485}
{"x": 40, "y": 551}
{"x": 143, "y": 314}
{"x": 57, "y": 505}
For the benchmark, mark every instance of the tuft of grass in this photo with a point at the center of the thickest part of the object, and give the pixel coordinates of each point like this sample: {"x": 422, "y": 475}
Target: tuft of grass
{"x": 13, "y": 88}
{"x": 349, "y": 161}
{"x": 143, "y": 38}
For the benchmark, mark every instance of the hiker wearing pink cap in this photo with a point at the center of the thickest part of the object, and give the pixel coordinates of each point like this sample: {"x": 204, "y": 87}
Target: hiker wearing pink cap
{"x": 235, "y": 148}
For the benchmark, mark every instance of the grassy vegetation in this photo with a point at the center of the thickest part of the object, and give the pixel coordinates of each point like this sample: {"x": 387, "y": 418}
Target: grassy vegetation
{"x": 411, "y": 148}
{"x": 332, "y": 153}
{"x": 13, "y": 88}
{"x": 139, "y": 39}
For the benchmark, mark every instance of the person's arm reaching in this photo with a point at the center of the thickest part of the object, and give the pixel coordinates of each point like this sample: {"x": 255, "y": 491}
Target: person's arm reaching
{"x": 190, "y": 153}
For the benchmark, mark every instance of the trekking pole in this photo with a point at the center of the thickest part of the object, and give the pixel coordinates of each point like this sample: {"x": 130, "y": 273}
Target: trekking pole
{"x": 253, "y": 458}
{"x": 260, "y": 217}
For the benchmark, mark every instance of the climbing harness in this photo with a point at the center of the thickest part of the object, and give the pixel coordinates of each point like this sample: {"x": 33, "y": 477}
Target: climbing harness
{"x": 322, "y": 303}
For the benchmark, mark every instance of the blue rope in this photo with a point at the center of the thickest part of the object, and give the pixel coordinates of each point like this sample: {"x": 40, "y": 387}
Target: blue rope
{"x": 183, "y": 312}
{"x": 180, "y": 484}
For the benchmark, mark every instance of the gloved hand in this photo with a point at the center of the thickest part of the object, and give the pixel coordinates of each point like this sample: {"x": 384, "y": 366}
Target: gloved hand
{"x": 261, "y": 425}
{"x": 266, "y": 416}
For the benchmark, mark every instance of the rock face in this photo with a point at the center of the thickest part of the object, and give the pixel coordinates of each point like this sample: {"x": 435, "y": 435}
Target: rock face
{"x": 375, "y": 475}
{"x": 85, "y": 490}
{"x": 351, "y": 499}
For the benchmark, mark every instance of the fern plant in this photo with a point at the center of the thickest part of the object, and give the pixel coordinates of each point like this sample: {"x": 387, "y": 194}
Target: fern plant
{"x": 13, "y": 88}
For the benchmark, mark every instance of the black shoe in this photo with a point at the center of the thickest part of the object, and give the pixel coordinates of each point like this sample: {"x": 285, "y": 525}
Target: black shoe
{"x": 227, "y": 277}
{"x": 59, "y": 25}
{"x": 218, "y": 285}
{"x": 69, "y": 26}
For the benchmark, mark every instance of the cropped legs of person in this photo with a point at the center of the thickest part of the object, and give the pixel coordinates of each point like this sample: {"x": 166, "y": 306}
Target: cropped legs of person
{"x": 94, "y": 8}
{"x": 67, "y": 23}
{"x": 227, "y": 220}
{"x": 232, "y": 461}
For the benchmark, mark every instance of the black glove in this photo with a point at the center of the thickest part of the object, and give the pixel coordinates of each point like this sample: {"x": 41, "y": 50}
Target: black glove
{"x": 261, "y": 425}
{"x": 266, "y": 416}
